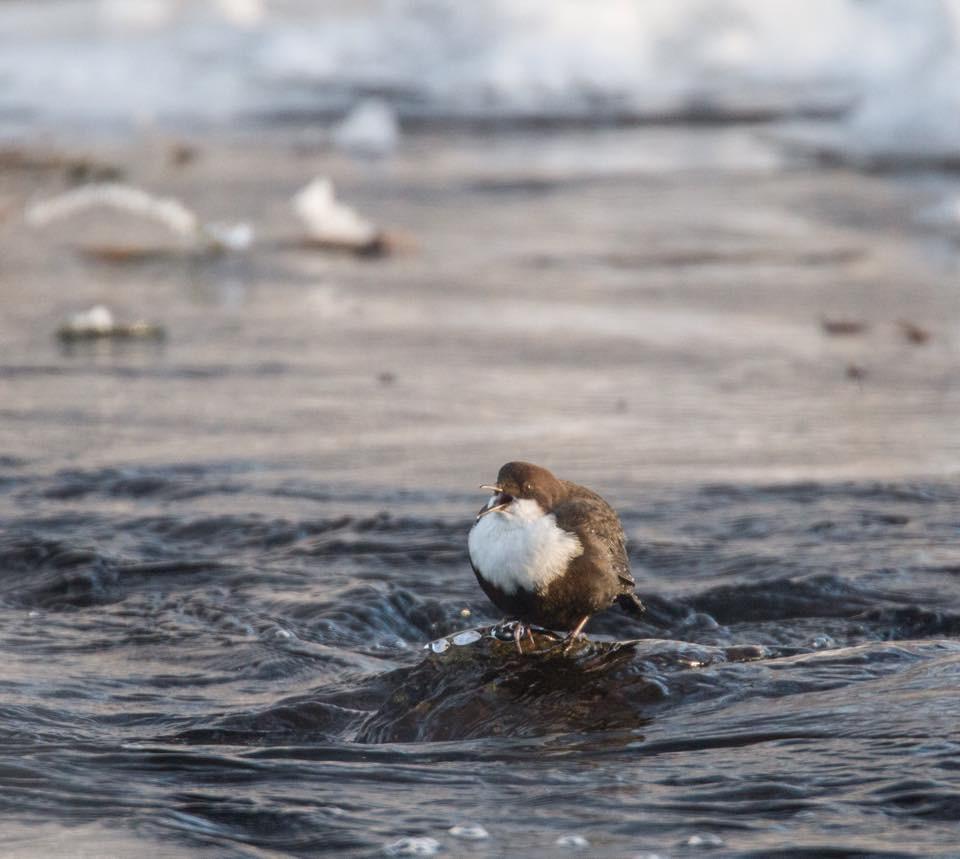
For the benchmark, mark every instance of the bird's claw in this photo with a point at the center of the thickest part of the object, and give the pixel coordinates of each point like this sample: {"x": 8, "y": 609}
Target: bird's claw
{"x": 517, "y": 630}
{"x": 513, "y": 630}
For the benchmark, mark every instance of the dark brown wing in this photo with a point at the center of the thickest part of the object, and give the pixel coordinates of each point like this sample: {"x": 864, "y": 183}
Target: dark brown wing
{"x": 599, "y": 529}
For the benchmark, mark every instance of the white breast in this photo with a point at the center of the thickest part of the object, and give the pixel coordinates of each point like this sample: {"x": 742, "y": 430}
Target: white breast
{"x": 521, "y": 547}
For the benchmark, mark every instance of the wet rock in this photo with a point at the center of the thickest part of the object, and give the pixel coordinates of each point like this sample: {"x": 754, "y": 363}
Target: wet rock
{"x": 487, "y": 689}
{"x": 473, "y": 684}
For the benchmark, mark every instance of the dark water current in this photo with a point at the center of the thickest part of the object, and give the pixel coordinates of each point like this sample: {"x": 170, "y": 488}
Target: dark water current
{"x": 231, "y": 661}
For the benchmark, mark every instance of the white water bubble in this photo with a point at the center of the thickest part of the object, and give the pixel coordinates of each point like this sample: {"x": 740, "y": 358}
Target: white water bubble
{"x": 573, "y": 842}
{"x": 469, "y": 831}
{"x": 440, "y": 645}
{"x": 409, "y": 846}
{"x": 823, "y": 642}
{"x": 706, "y": 840}
{"x": 468, "y": 637}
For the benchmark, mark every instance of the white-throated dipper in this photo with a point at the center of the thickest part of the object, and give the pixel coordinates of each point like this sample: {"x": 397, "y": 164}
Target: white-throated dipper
{"x": 549, "y": 552}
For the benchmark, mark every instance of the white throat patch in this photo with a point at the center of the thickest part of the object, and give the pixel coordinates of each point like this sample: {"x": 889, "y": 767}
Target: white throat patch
{"x": 521, "y": 547}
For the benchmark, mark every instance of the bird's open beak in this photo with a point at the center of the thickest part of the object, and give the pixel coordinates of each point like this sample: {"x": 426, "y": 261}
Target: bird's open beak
{"x": 499, "y": 501}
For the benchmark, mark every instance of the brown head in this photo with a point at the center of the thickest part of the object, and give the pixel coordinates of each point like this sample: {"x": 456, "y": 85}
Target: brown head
{"x": 524, "y": 481}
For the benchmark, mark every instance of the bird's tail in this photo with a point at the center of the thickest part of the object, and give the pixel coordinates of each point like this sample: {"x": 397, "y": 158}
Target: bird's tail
{"x": 631, "y": 604}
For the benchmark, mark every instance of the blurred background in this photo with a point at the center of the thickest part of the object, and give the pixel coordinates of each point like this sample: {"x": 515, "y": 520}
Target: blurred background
{"x": 882, "y": 71}
{"x": 281, "y": 282}
{"x": 670, "y": 240}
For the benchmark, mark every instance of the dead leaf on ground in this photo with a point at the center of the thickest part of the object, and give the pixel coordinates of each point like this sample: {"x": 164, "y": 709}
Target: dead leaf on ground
{"x": 913, "y": 333}
{"x": 182, "y": 154}
{"x": 842, "y": 327}
{"x": 77, "y": 168}
{"x": 127, "y": 254}
{"x": 856, "y": 372}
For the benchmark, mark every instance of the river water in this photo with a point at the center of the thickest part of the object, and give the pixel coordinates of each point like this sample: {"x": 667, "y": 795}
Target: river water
{"x": 182, "y": 679}
{"x": 224, "y": 556}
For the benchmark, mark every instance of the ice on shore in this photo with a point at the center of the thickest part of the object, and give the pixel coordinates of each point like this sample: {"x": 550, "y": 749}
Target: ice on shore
{"x": 96, "y": 320}
{"x": 885, "y": 72}
{"x": 99, "y": 323}
{"x": 229, "y": 236}
{"x": 165, "y": 211}
{"x": 370, "y": 130}
{"x": 328, "y": 221}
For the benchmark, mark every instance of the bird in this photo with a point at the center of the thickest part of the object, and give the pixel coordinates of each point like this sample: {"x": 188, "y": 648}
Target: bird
{"x": 550, "y": 553}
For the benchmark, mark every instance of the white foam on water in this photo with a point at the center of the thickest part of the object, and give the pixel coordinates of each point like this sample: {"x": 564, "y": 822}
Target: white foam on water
{"x": 706, "y": 841}
{"x": 469, "y": 832}
{"x": 572, "y": 842}
{"x": 413, "y": 847}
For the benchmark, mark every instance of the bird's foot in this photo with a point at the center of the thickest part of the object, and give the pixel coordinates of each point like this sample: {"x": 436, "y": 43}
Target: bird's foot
{"x": 517, "y": 630}
{"x": 513, "y": 630}
{"x": 572, "y": 637}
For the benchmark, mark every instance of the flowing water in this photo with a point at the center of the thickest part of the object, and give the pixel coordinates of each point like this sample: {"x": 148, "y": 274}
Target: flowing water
{"x": 259, "y": 682}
